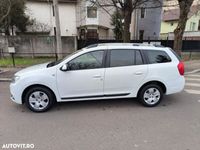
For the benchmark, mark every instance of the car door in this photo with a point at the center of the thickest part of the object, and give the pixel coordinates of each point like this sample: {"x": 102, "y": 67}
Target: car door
{"x": 84, "y": 77}
{"x": 124, "y": 73}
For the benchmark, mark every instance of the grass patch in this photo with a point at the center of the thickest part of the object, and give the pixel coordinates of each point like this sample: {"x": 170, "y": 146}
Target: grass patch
{"x": 24, "y": 61}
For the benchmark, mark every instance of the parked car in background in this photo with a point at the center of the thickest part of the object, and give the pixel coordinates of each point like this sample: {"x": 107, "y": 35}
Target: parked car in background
{"x": 101, "y": 71}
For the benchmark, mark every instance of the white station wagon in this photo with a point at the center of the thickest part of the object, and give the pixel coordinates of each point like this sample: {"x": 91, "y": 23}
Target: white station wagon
{"x": 101, "y": 71}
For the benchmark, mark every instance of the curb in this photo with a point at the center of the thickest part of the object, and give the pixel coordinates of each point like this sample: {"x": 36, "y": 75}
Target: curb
{"x": 194, "y": 71}
{"x": 3, "y": 71}
{"x": 5, "y": 79}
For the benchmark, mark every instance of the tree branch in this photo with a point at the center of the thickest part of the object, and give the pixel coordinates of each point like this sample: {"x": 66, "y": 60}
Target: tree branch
{"x": 7, "y": 13}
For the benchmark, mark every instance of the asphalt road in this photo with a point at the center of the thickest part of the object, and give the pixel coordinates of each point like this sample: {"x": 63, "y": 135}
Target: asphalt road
{"x": 106, "y": 125}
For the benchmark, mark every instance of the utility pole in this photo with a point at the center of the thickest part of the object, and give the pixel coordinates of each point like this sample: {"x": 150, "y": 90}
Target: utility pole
{"x": 58, "y": 33}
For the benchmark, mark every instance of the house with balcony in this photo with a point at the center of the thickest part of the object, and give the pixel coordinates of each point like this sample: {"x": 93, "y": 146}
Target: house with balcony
{"x": 85, "y": 20}
{"x": 77, "y": 18}
{"x": 170, "y": 21}
{"x": 92, "y": 21}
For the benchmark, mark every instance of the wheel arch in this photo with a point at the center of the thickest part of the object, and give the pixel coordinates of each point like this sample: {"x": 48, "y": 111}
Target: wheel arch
{"x": 161, "y": 84}
{"x": 36, "y": 85}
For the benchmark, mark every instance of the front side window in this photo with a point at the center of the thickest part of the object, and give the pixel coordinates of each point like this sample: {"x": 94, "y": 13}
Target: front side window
{"x": 92, "y": 12}
{"x": 121, "y": 58}
{"x": 91, "y": 60}
{"x": 155, "y": 56}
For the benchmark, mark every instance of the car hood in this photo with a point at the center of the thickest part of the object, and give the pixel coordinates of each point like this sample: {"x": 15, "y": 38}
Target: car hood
{"x": 32, "y": 68}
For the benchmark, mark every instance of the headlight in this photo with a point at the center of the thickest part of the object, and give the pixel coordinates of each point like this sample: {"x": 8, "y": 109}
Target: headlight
{"x": 15, "y": 79}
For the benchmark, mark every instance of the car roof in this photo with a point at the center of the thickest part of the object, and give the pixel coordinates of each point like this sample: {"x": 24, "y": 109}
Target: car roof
{"x": 126, "y": 45}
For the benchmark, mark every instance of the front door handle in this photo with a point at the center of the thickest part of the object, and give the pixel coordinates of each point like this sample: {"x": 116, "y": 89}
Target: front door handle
{"x": 138, "y": 73}
{"x": 97, "y": 76}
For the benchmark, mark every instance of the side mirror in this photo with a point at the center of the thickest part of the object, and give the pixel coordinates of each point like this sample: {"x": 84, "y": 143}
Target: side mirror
{"x": 64, "y": 67}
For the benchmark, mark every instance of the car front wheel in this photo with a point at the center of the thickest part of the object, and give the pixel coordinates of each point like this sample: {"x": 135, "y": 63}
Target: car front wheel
{"x": 151, "y": 95}
{"x": 39, "y": 99}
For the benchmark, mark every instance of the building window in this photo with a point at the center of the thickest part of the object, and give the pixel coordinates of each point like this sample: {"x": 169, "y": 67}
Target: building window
{"x": 82, "y": 34}
{"x": 141, "y": 34}
{"x": 53, "y": 11}
{"x": 199, "y": 26}
{"x": 172, "y": 23}
{"x": 192, "y": 26}
{"x": 92, "y": 12}
{"x": 142, "y": 12}
{"x": 92, "y": 34}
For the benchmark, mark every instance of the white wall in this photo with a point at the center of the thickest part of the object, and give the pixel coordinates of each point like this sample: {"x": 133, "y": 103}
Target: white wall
{"x": 68, "y": 19}
{"x": 43, "y": 13}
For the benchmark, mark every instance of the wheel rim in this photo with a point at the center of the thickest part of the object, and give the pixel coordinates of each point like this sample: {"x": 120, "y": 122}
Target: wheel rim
{"x": 151, "y": 96}
{"x": 38, "y": 100}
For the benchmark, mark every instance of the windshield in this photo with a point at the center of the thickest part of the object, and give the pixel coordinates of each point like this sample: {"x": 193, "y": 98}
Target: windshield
{"x": 51, "y": 64}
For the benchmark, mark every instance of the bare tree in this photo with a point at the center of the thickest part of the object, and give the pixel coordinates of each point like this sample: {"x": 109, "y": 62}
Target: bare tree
{"x": 37, "y": 26}
{"x": 5, "y": 7}
{"x": 126, "y": 7}
{"x": 184, "y": 6}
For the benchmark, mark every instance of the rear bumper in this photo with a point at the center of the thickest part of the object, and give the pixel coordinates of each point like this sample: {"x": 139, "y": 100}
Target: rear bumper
{"x": 176, "y": 86}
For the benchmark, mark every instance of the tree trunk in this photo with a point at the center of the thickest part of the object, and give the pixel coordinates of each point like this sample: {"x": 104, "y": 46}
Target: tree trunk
{"x": 184, "y": 6}
{"x": 7, "y": 31}
{"x": 127, "y": 20}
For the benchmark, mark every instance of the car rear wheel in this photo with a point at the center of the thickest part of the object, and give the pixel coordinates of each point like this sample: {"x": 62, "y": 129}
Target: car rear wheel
{"x": 39, "y": 99}
{"x": 151, "y": 95}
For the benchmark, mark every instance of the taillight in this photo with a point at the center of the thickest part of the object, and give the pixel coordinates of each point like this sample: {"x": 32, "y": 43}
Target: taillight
{"x": 181, "y": 68}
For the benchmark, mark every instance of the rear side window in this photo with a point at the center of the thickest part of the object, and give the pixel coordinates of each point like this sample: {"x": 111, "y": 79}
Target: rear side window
{"x": 155, "y": 56}
{"x": 122, "y": 58}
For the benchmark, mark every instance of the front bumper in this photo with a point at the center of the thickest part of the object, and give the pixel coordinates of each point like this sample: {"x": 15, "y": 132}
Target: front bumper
{"x": 16, "y": 93}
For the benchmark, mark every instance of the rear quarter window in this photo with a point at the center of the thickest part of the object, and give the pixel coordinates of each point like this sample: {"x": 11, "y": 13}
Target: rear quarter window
{"x": 156, "y": 56}
{"x": 177, "y": 56}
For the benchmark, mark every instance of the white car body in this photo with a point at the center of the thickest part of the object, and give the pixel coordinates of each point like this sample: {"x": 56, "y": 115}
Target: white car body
{"x": 100, "y": 83}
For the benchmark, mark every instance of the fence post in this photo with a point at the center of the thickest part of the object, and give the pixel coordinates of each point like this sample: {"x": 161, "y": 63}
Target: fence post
{"x": 13, "y": 59}
{"x": 75, "y": 43}
{"x": 190, "y": 56}
{"x": 32, "y": 46}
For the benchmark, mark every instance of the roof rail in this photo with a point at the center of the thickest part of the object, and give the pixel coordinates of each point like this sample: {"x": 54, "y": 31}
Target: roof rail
{"x": 147, "y": 44}
{"x": 91, "y": 46}
{"x": 129, "y": 44}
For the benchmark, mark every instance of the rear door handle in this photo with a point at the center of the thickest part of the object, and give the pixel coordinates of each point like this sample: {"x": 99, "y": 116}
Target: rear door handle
{"x": 138, "y": 73}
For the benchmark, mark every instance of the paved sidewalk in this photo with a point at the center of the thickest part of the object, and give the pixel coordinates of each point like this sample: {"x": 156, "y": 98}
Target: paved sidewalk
{"x": 7, "y": 73}
{"x": 192, "y": 65}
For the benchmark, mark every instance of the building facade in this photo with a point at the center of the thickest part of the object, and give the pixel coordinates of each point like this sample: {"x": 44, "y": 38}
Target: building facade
{"x": 146, "y": 21}
{"x": 92, "y": 21}
{"x": 85, "y": 20}
{"x": 42, "y": 12}
{"x": 170, "y": 21}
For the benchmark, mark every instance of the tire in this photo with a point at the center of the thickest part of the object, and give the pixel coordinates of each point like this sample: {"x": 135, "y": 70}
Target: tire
{"x": 39, "y": 99}
{"x": 151, "y": 95}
